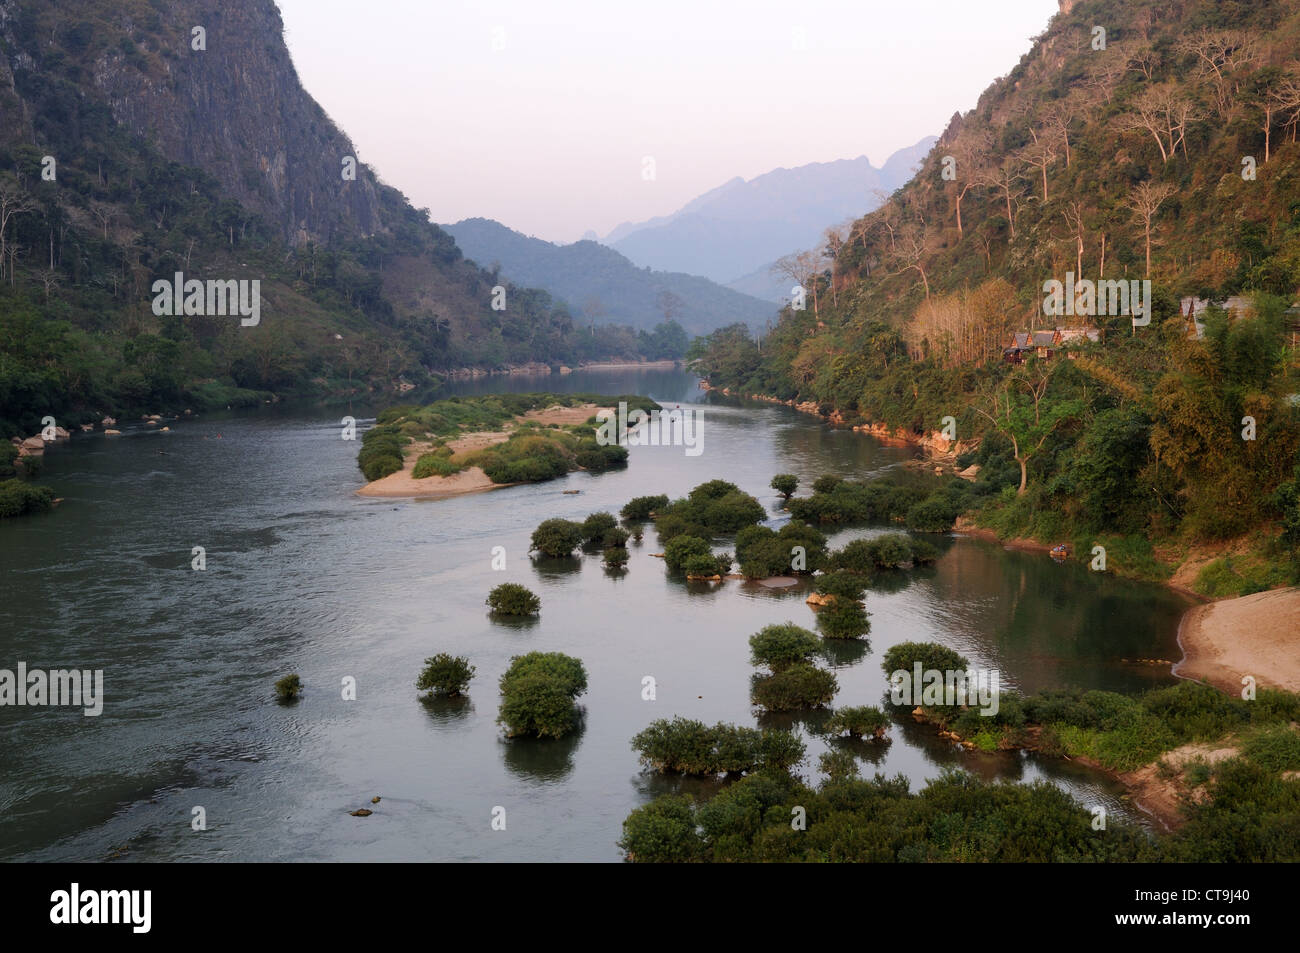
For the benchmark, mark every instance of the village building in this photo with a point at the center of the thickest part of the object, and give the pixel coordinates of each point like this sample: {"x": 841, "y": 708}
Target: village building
{"x": 1046, "y": 344}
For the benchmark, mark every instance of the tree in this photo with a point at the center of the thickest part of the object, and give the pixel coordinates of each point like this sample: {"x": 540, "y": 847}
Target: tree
{"x": 780, "y": 646}
{"x": 1144, "y": 201}
{"x": 510, "y": 598}
{"x": 445, "y": 675}
{"x": 14, "y": 201}
{"x": 670, "y": 305}
{"x": 1018, "y": 409}
{"x": 1221, "y": 56}
{"x": 971, "y": 152}
{"x": 785, "y": 484}
{"x": 557, "y": 538}
{"x": 1006, "y": 179}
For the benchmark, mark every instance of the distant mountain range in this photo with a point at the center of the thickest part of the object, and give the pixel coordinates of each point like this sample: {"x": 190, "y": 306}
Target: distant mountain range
{"x": 733, "y": 233}
{"x": 601, "y": 286}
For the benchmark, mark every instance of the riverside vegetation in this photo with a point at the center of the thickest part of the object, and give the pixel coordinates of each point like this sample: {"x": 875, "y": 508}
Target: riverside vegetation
{"x": 1141, "y": 443}
{"x": 1244, "y": 808}
{"x": 532, "y": 452}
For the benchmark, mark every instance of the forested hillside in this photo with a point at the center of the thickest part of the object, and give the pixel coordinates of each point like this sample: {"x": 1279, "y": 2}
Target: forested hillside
{"x": 1135, "y": 140}
{"x": 142, "y": 138}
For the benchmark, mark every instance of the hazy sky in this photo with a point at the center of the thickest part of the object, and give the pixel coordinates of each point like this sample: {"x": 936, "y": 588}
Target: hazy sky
{"x": 548, "y": 133}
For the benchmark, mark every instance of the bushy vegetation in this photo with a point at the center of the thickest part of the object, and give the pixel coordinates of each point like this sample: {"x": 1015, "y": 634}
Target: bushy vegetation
{"x": 445, "y": 674}
{"x": 785, "y": 484}
{"x": 694, "y": 557}
{"x": 510, "y": 598}
{"x": 556, "y": 538}
{"x": 641, "y": 507}
{"x": 794, "y": 687}
{"x": 796, "y": 549}
{"x": 779, "y": 646}
{"x": 538, "y": 692}
{"x": 288, "y": 688}
{"x": 842, "y": 584}
{"x": 890, "y": 551}
{"x": 18, "y": 498}
{"x": 715, "y": 508}
{"x": 531, "y": 453}
{"x": 858, "y": 721}
{"x": 955, "y": 818}
{"x": 685, "y": 746}
{"x": 843, "y": 619}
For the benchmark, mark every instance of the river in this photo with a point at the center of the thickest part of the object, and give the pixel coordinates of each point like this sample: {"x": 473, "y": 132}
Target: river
{"x": 303, "y": 576}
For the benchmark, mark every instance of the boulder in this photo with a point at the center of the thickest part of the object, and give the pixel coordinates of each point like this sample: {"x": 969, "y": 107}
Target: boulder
{"x": 34, "y": 443}
{"x": 108, "y": 422}
{"x": 61, "y": 434}
{"x": 87, "y": 428}
{"x": 113, "y": 433}
{"x": 165, "y": 430}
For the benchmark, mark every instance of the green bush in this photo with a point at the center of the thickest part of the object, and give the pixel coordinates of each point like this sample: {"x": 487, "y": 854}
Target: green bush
{"x": 842, "y": 584}
{"x": 661, "y": 832}
{"x": 445, "y": 674}
{"x": 288, "y": 688}
{"x": 763, "y": 552}
{"x": 706, "y": 567}
{"x": 537, "y": 705}
{"x": 640, "y": 507}
{"x": 537, "y": 693}
{"x": 779, "y": 646}
{"x": 795, "y": 687}
{"x": 615, "y": 557}
{"x": 615, "y": 538}
{"x": 435, "y": 463}
{"x": 595, "y": 526}
{"x": 682, "y": 548}
{"x": 1276, "y": 748}
{"x": 715, "y": 508}
{"x": 510, "y": 598}
{"x": 932, "y": 656}
{"x": 843, "y": 619}
{"x": 838, "y": 764}
{"x": 785, "y": 484}
{"x": 381, "y": 452}
{"x": 859, "y": 721}
{"x": 686, "y": 746}
{"x": 557, "y": 537}
{"x": 18, "y": 498}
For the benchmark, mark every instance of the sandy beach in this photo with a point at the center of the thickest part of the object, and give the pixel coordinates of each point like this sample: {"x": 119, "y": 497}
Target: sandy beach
{"x": 1257, "y": 635}
{"x": 404, "y": 485}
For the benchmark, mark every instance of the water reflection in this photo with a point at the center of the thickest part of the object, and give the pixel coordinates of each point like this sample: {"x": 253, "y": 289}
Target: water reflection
{"x": 543, "y": 760}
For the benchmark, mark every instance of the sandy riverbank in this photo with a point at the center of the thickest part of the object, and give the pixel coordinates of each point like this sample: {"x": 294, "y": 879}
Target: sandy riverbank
{"x": 1257, "y": 635}
{"x": 404, "y": 485}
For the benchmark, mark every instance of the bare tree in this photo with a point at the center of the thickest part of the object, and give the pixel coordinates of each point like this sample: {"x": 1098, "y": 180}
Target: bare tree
{"x": 801, "y": 268}
{"x": 970, "y": 152}
{"x": 14, "y": 201}
{"x": 833, "y": 239}
{"x": 1145, "y": 200}
{"x": 913, "y": 247}
{"x": 1058, "y": 119}
{"x": 50, "y": 279}
{"x": 1164, "y": 113}
{"x": 1006, "y": 179}
{"x": 104, "y": 214}
{"x": 1041, "y": 153}
{"x": 1223, "y": 56}
{"x": 1106, "y": 69}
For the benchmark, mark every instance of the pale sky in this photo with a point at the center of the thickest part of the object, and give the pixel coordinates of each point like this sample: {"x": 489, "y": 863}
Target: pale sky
{"x": 547, "y": 134}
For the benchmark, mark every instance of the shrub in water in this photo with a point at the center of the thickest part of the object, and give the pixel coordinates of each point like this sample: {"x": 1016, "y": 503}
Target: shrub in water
{"x": 556, "y": 537}
{"x": 288, "y": 688}
{"x": 510, "y": 598}
{"x": 779, "y": 646}
{"x": 859, "y": 721}
{"x": 785, "y": 484}
{"x": 445, "y": 674}
{"x": 794, "y": 687}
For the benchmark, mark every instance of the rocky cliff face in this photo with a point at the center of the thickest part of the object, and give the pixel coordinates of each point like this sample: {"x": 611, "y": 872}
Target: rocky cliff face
{"x": 234, "y": 109}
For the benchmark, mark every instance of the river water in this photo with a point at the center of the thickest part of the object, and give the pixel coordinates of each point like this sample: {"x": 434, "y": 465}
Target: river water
{"x": 303, "y": 576}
